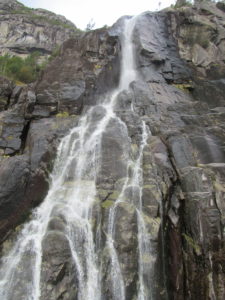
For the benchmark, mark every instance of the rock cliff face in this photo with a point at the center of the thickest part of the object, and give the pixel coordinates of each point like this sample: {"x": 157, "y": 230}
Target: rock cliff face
{"x": 179, "y": 95}
{"x": 24, "y": 30}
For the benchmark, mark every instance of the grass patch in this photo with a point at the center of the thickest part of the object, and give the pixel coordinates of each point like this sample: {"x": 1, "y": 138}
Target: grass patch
{"x": 52, "y": 22}
{"x": 22, "y": 11}
{"x": 107, "y": 203}
{"x": 184, "y": 87}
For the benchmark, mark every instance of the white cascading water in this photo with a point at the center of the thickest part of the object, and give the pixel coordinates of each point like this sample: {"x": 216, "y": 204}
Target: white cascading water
{"x": 144, "y": 245}
{"x": 72, "y": 195}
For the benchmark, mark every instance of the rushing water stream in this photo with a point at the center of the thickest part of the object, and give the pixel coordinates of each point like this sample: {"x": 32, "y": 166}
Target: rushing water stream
{"x": 72, "y": 195}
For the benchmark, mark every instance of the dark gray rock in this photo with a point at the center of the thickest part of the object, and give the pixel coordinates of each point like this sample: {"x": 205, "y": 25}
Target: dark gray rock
{"x": 21, "y": 174}
{"x": 81, "y": 74}
{"x": 71, "y": 95}
{"x": 14, "y": 174}
{"x": 11, "y": 130}
{"x": 6, "y": 90}
{"x": 57, "y": 274}
{"x": 114, "y": 147}
{"x": 126, "y": 245}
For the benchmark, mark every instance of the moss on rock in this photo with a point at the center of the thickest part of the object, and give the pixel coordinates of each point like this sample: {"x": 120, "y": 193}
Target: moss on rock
{"x": 107, "y": 204}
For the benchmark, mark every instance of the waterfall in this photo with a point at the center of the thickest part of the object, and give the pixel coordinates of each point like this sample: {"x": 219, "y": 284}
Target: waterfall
{"x": 71, "y": 198}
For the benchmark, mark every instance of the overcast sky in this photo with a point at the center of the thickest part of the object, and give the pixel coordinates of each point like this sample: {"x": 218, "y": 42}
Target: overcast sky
{"x": 103, "y": 12}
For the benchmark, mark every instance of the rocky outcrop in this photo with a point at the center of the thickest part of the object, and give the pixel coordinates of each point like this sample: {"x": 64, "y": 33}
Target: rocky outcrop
{"x": 28, "y": 168}
{"x": 6, "y": 90}
{"x": 85, "y": 70}
{"x": 180, "y": 98}
{"x": 200, "y": 35}
{"x": 24, "y": 30}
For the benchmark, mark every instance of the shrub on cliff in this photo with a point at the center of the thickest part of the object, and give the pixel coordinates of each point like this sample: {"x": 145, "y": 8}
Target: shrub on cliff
{"x": 25, "y": 70}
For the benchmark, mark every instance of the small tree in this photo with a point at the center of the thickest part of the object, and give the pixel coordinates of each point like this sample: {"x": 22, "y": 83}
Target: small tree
{"x": 181, "y": 3}
{"x": 90, "y": 25}
{"x": 13, "y": 66}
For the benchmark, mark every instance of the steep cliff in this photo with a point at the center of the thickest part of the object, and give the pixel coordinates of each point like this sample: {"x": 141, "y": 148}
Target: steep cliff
{"x": 24, "y": 30}
{"x": 158, "y": 167}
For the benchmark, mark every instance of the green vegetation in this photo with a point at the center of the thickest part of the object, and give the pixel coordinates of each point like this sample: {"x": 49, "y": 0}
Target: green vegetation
{"x": 181, "y": 3}
{"x": 219, "y": 187}
{"x": 97, "y": 67}
{"x": 184, "y": 87}
{"x": 34, "y": 16}
{"x": 53, "y": 22}
{"x": 55, "y": 53}
{"x": 204, "y": 43}
{"x": 22, "y": 10}
{"x": 63, "y": 114}
{"x": 107, "y": 204}
{"x": 192, "y": 244}
{"x": 23, "y": 70}
{"x": 198, "y": 35}
{"x": 199, "y": 1}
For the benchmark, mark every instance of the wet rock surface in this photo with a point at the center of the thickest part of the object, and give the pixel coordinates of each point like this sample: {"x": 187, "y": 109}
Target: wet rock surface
{"x": 58, "y": 271}
{"x": 180, "y": 98}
